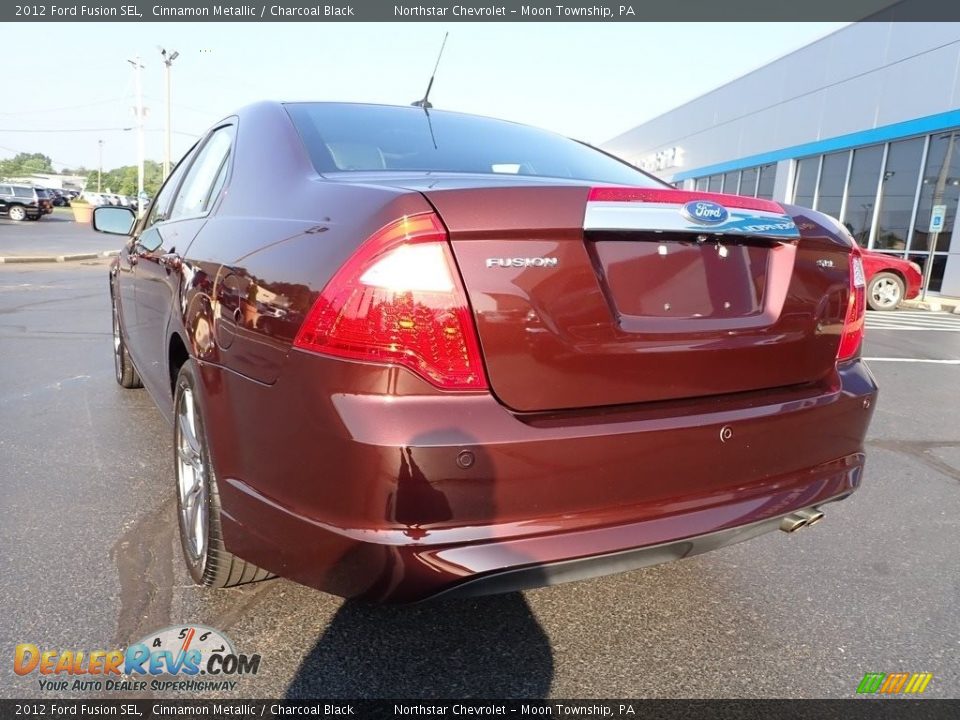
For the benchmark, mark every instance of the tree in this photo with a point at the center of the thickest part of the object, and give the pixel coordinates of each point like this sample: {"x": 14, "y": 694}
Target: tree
{"x": 123, "y": 180}
{"x": 25, "y": 164}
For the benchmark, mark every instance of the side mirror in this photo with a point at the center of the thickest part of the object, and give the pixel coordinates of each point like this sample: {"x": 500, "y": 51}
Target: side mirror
{"x": 113, "y": 219}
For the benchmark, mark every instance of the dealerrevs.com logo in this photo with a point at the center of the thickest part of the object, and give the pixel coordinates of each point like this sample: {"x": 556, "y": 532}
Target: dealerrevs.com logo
{"x": 178, "y": 658}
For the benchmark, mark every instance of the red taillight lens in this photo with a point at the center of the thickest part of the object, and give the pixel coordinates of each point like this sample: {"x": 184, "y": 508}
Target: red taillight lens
{"x": 399, "y": 300}
{"x": 852, "y": 335}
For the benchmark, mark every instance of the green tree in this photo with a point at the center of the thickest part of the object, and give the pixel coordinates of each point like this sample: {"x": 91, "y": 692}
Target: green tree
{"x": 26, "y": 163}
{"x": 123, "y": 180}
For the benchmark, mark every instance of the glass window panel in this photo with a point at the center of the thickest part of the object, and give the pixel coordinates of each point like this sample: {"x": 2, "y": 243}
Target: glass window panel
{"x": 731, "y": 182}
{"x": 939, "y": 266}
{"x": 896, "y": 194}
{"x": 768, "y": 174}
{"x": 702, "y": 184}
{"x": 832, "y": 177}
{"x": 748, "y": 182}
{"x": 714, "y": 184}
{"x": 862, "y": 191}
{"x": 941, "y": 186}
{"x": 806, "y": 181}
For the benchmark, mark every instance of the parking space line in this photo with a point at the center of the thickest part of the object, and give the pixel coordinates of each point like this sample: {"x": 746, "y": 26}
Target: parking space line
{"x": 912, "y": 360}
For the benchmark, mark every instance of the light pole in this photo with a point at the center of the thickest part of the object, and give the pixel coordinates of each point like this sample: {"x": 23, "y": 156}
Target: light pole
{"x": 137, "y": 67}
{"x": 168, "y": 59}
{"x": 100, "y": 166}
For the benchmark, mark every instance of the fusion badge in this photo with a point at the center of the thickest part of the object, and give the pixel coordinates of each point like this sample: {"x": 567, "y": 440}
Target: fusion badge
{"x": 705, "y": 212}
{"x": 519, "y": 262}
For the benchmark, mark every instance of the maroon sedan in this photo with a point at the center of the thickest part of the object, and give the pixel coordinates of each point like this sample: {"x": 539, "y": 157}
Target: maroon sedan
{"x": 408, "y": 354}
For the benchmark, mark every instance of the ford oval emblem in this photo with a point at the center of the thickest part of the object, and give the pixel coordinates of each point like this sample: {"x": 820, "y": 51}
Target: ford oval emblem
{"x": 704, "y": 212}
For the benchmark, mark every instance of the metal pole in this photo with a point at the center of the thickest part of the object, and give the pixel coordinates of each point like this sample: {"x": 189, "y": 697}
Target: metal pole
{"x": 166, "y": 147}
{"x": 168, "y": 59}
{"x": 928, "y": 267}
{"x": 100, "y": 166}
{"x": 137, "y": 67}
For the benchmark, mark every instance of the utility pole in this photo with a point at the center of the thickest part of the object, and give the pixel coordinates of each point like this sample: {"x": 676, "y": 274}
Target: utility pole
{"x": 100, "y": 166}
{"x": 168, "y": 59}
{"x": 137, "y": 67}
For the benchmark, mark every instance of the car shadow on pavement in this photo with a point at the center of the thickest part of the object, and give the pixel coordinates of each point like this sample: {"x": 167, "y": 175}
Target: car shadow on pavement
{"x": 487, "y": 647}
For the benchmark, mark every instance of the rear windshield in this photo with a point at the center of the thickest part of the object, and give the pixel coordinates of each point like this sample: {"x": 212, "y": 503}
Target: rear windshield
{"x": 368, "y": 138}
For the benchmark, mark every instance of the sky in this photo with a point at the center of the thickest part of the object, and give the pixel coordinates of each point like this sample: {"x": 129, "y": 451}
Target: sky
{"x": 591, "y": 81}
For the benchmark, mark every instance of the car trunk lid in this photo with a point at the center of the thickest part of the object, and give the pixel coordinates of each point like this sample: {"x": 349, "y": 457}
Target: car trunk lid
{"x": 606, "y": 296}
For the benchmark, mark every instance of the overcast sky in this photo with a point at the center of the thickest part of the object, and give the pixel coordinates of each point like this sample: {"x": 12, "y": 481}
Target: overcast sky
{"x": 589, "y": 81}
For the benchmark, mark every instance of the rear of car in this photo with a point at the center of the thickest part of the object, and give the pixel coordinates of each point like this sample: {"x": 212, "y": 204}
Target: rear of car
{"x": 44, "y": 200}
{"x": 543, "y": 365}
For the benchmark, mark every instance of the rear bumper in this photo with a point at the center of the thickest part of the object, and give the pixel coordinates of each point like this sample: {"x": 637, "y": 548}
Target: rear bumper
{"x": 402, "y": 497}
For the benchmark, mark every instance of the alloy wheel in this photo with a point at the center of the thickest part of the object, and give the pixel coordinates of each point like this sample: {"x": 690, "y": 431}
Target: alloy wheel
{"x": 885, "y": 293}
{"x": 191, "y": 477}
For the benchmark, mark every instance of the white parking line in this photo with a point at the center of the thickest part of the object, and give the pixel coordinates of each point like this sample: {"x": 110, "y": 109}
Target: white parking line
{"x": 912, "y": 360}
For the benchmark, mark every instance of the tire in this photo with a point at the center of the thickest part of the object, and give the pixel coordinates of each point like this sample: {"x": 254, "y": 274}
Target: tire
{"x": 17, "y": 213}
{"x": 124, "y": 372}
{"x": 198, "y": 499}
{"x": 885, "y": 291}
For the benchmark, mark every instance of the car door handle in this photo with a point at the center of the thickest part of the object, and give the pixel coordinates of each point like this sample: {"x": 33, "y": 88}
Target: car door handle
{"x": 171, "y": 261}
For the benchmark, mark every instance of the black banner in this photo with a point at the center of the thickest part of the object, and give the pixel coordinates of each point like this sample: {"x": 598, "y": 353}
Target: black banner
{"x": 448, "y": 11}
{"x": 853, "y": 709}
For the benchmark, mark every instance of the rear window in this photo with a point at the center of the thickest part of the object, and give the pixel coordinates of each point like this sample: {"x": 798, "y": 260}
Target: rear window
{"x": 23, "y": 192}
{"x": 370, "y": 138}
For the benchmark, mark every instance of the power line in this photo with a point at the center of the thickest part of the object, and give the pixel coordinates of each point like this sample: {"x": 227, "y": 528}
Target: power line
{"x": 68, "y": 107}
{"x": 11, "y": 130}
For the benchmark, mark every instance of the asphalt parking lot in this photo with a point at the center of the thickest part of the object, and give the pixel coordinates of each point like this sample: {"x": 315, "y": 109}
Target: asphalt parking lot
{"x": 91, "y": 558}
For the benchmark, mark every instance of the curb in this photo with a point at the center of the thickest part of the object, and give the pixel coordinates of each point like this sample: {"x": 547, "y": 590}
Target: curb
{"x": 12, "y": 259}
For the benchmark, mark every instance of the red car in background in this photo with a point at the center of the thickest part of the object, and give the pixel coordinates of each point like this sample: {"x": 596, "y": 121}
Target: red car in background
{"x": 890, "y": 280}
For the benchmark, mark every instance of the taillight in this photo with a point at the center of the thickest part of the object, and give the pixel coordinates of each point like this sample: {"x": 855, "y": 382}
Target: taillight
{"x": 399, "y": 300}
{"x": 852, "y": 335}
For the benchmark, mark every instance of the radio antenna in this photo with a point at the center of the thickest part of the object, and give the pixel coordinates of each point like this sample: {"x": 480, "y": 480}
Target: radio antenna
{"x": 425, "y": 102}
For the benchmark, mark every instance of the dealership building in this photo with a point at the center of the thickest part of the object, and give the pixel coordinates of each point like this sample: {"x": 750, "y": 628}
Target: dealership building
{"x": 863, "y": 125}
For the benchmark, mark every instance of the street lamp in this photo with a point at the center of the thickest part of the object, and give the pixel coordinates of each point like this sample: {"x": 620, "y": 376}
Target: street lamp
{"x": 139, "y": 110}
{"x": 168, "y": 59}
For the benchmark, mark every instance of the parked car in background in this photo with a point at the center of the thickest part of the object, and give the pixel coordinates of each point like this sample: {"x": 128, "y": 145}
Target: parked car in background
{"x": 21, "y": 202}
{"x": 890, "y": 279}
{"x": 394, "y": 371}
{"x": 45, "y": 198}
{"x": 60, "y": 198}
{"x": 95, "y": 198}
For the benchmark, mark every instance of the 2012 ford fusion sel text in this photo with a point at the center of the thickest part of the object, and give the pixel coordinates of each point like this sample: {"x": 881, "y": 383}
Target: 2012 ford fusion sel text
{"x": 408, "y": 354}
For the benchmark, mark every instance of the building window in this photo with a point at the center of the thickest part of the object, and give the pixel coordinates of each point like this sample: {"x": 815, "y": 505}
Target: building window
{"x": 897, "y": 192}
{"x": 748, "y": 182}
{"x": 833, "y": 176}
{"x": 940, "y": 186}
{"x": 862, "y": 192}
{"x": 768, "y": 174}
{"x": 715, "y": 183}
{"x": 731, "y": 182}
{"x": 701, "y": 184}
{"x": 806, "y": 181}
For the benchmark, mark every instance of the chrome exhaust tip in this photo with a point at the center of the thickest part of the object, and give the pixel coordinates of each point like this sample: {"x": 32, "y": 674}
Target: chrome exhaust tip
{"x": 812, "y": 515}
{"x": 793, "y": 522}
